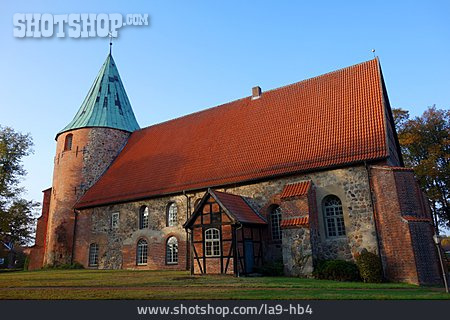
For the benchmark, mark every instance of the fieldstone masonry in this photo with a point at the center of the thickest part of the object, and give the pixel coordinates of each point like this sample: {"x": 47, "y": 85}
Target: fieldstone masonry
{"x": 297, "y": 252}
{"x": 118, "y": 246}
{"x": 103, "y": 146}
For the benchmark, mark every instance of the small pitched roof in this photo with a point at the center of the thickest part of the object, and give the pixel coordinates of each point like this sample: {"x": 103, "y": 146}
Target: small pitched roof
{"x": 296, "y": 189}
{"x": 294, "y": 222}
{"x": 106, "y": 104}
{"x": 238, "y": 207}
{"x": 331, "y": 120}
{"x": 235, "y": 206}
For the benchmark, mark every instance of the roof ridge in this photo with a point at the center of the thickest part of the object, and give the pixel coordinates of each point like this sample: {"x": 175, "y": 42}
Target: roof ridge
{"x": 321, "y": 75}
{"x": 249, "y": 97}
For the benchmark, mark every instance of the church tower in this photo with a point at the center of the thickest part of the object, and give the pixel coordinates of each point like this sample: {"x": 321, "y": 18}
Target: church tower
{"x": 84, "y": 150}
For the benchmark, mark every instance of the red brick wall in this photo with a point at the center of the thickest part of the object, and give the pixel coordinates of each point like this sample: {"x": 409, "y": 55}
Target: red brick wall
{"x": 83, "y": 239}
{"x": 67, "y": 175}
{"x": 75, "y": 170}
{"x": 156, "y": 259}
{"x": 213, "y": 264}
{"x": 37, "y": 251}
{"x": 406, "y": 247}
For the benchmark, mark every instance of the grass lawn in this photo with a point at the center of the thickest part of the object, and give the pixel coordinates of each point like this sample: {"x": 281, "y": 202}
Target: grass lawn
{"x": 126, "y": 284}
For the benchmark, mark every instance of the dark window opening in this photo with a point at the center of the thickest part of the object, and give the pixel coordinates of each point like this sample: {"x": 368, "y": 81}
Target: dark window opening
{"x": 143, "y": 217}
{"x": 275, "y": 219}
{"x": 93, "y": 255}
{"x": 68, "y": 142}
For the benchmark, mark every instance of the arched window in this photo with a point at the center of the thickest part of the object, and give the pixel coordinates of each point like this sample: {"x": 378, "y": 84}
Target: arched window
{"x": 172, "y": 213}
{"x": 143, "y": 217}
{"x": 93, "y": 255}
{"x": 212, "y": 243}
{"x": 275, "y": 219}
{"x": 172, "y": 251}
{"x": 68, "y": 142}
{"x": 142, "y": 252}
{"x": 333, "y": 216}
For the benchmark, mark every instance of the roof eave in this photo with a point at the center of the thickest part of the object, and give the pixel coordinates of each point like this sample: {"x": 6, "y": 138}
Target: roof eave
{"x": 240, "y": 182}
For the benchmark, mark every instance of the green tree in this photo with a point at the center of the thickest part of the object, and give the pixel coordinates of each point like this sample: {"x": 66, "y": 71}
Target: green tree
{"x": 425, "y": 145}
{"x": 16, "y": 213}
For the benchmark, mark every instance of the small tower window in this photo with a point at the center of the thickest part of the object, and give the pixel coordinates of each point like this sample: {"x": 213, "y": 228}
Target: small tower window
{"x": 141, "y": 252}
{"x": 93, "y": 255}
{"x": 68, "y": 142}
{"x": 172, "y": 251}
{"x": 172, "y": 214}
{"x": 333, "y": 217}
{"x": 275, "y": 219}
{"x": 143, "y": 217}
{"x": 212, "y": 243}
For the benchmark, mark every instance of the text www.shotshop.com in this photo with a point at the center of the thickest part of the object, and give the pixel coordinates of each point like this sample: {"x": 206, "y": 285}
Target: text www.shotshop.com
{"x": 263, "y": 309}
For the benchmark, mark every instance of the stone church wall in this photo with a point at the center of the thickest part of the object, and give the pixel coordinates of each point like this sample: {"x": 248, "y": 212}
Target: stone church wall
{"x": 117, "y": 247}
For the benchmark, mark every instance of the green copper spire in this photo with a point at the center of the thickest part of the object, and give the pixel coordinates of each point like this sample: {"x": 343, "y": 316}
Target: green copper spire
{"x": 106, "y": 104}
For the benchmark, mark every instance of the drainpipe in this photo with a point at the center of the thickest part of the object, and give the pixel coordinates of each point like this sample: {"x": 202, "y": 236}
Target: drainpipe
{"x": 236, "y": 257}
{"x": 75, "y": 213}
{"x": 188, "y": 214}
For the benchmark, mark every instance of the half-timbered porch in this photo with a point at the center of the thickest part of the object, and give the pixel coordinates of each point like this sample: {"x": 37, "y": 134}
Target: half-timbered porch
{"x": 226, "y": 235}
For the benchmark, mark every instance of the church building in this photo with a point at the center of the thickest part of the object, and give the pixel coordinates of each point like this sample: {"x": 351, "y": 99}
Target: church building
{"x": 297, "y": 174}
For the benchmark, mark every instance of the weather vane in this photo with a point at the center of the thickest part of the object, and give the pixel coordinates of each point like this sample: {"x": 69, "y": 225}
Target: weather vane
{"x": 373, "y": 51}
{"x": 110, "y": 41}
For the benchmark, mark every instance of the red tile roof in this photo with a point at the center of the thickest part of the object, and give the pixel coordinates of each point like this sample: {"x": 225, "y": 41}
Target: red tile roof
{"x": 326, "y": 121}
{"x": 239, "y": 208}
{"x": 303, "y": 221}
{"x": 296, "y": 189}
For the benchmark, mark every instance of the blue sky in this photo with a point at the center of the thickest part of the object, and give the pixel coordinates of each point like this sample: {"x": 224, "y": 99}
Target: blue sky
{"x": 197, "y": 54}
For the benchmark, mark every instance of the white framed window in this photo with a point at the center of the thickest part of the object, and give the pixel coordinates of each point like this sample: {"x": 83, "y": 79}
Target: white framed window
{"x": 93, "y": 255}
{"x": 141, "y": 252}
{"x": 172, "y": 214}
{"x": 212, "y": 242}
{"x": 172, "y": 251}
{"x": 143, "y": 217}
{"x": 275, "y": 219}
{"x": 115, "y": 220}
{"x": 333, "y": 217}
